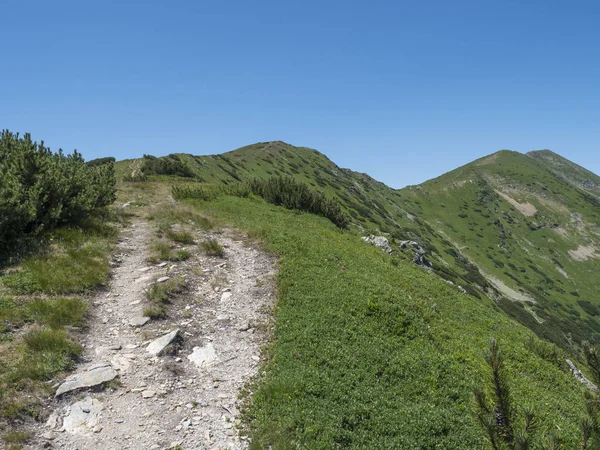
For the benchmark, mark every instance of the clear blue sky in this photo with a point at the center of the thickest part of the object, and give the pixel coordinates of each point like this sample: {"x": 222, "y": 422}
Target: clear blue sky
{"x": 402, "y": 90}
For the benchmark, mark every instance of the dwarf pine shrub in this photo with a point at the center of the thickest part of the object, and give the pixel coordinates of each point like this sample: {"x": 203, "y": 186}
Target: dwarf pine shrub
{"x": 41, "y": 189}
{"x": 292, "y": 194}
{"x": 167, "y": 165}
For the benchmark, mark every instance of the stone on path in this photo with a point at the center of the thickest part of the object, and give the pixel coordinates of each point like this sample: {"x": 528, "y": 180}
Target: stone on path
{"x": 156, "y": 347}
{"x": 203, "y": 356}
{"x": 226, "y": 296}
{"x": 148, "y": 394}
{"x": 83, "y": 416}
{"x": 162, "y": 279}
{"x": 139, "y": 321}
{"x": 93, "y": 376}
{"x": 121, "y": 363}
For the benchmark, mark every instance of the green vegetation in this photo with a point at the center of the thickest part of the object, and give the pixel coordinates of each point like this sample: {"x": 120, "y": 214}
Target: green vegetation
{"x": 291, "y": 194}
{"x": 41, "y": 190}
{"x": 160, "y": 295}
{"x": 101, "y": 161}
{"x": 209, "y": 192}
{"x": 56, "y": 234}
{"x": 37, "y": 309}
{"x": 212, "y": 248}
{"x": 373, "y": 352}
{"x": 78, "y": 260}
{"x": 464, "y": 220}
{"x": 503, "y": 425}
{"x": 523, "y": 226}
{"x": 169, "y": 165}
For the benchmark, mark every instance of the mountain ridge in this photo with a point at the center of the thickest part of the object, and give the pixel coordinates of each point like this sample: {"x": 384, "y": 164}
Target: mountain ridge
{"x": 508, "y": 198}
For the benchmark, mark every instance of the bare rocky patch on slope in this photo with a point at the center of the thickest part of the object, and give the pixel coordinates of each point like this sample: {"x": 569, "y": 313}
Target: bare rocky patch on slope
{"x": 184, "y": 390}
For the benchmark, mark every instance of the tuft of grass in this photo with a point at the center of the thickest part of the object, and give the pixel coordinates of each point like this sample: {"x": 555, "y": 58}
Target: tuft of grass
{"x": 212, "y": 248}
{"x": 56, "y": 313}
{"x": 162, "y": 251}
{"x": 161, "y": 294}
{"x": 155, "y": 311}
{"x": 182, "y": 236}
{"x": 16, "y": 437}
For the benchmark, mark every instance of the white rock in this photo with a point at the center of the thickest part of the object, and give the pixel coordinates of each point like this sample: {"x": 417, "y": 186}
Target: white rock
{"x": 93, "y": 376}
{"x": 139, "y": 321}
{"x": 156, "y": 347}
{"x": 226, "y": 296}
{"x": 203, "y": 356}
{"x": 80, "y": 422}
{"x": 121, "y": 363}
{"x": 163, "y": 279}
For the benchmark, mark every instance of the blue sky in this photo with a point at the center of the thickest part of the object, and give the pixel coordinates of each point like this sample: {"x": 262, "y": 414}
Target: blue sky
{"x": 401, "y": 90}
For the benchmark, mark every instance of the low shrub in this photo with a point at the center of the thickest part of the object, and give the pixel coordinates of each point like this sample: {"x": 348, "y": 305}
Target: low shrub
{"x": 167, "y": 165}
{"x": 210, "y": 192}
{"x": 41, "y": 190}
{"x": 292, "y": 194}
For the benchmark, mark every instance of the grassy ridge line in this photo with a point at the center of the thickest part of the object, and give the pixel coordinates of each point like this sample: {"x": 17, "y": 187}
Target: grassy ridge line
{"x": 371, "y": 352}
{"x": 372, "y": 206}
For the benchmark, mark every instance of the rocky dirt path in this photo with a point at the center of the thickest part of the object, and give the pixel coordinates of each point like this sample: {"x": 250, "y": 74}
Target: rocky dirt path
{"x": 163, "y": 396}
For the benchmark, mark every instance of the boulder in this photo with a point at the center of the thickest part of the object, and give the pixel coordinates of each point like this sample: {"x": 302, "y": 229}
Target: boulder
{"x": 157, "y": 346}
{"x": 379, "y": 241}
{"x": 203, "y": 356}
{"x": 93, "y": 376}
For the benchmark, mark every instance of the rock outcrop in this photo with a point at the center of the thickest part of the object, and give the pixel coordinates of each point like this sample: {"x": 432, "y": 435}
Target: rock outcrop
{"x": 379, "y": 241}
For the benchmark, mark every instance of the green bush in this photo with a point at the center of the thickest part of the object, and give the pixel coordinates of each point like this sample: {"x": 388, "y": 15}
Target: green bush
{"x": 292, "y": 194}
{"x": 207, "y": 193}
{"x": 167, "y": 165}
{"x": 101, "y": 161}
{"x": 41, "y": 190}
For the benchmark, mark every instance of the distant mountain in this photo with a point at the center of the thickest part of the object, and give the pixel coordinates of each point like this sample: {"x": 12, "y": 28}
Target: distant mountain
{"x": 531, "y": 225}
{"x": 519, "y": 232}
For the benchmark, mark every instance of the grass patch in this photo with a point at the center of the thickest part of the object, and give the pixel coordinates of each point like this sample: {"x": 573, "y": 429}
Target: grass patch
{"x": 160, "y": 295}
{"x": 155, "y": 311}
{"x": 181, "y": 236}
{"x": 76, "y": 261}
{"x": 35, "y": 310}
{"x": 372, "y": 354}
{"x": 167, "y": 216}
{"x": 16, "y": 437}
{"x": 56, "y": 313}
{"x": 212, "y": 248}
{"x": 161, "y": 250}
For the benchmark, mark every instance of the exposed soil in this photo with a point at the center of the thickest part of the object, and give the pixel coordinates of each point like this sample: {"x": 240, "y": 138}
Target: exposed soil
{"x": 159, "y": 402}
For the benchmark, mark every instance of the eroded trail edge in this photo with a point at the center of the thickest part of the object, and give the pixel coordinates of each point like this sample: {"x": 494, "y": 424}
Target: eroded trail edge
{"x": 174, "y": 381}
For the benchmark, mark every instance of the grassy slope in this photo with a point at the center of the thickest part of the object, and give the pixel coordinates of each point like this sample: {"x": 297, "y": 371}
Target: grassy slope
{"x": 575, "y": 174}
{"x": 528, "y": 253}
{"x": 374, "y": 352}
{"x": 373, "y": 206}
{"x": 459, "y": 214}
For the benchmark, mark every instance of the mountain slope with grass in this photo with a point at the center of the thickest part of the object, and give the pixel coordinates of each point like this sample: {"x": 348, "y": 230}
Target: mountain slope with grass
{"x": 573, "y": 173}
{"x": 371, "y": 350}
{"x": 517, "y": 231}
{"x": 534, "y": 234}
